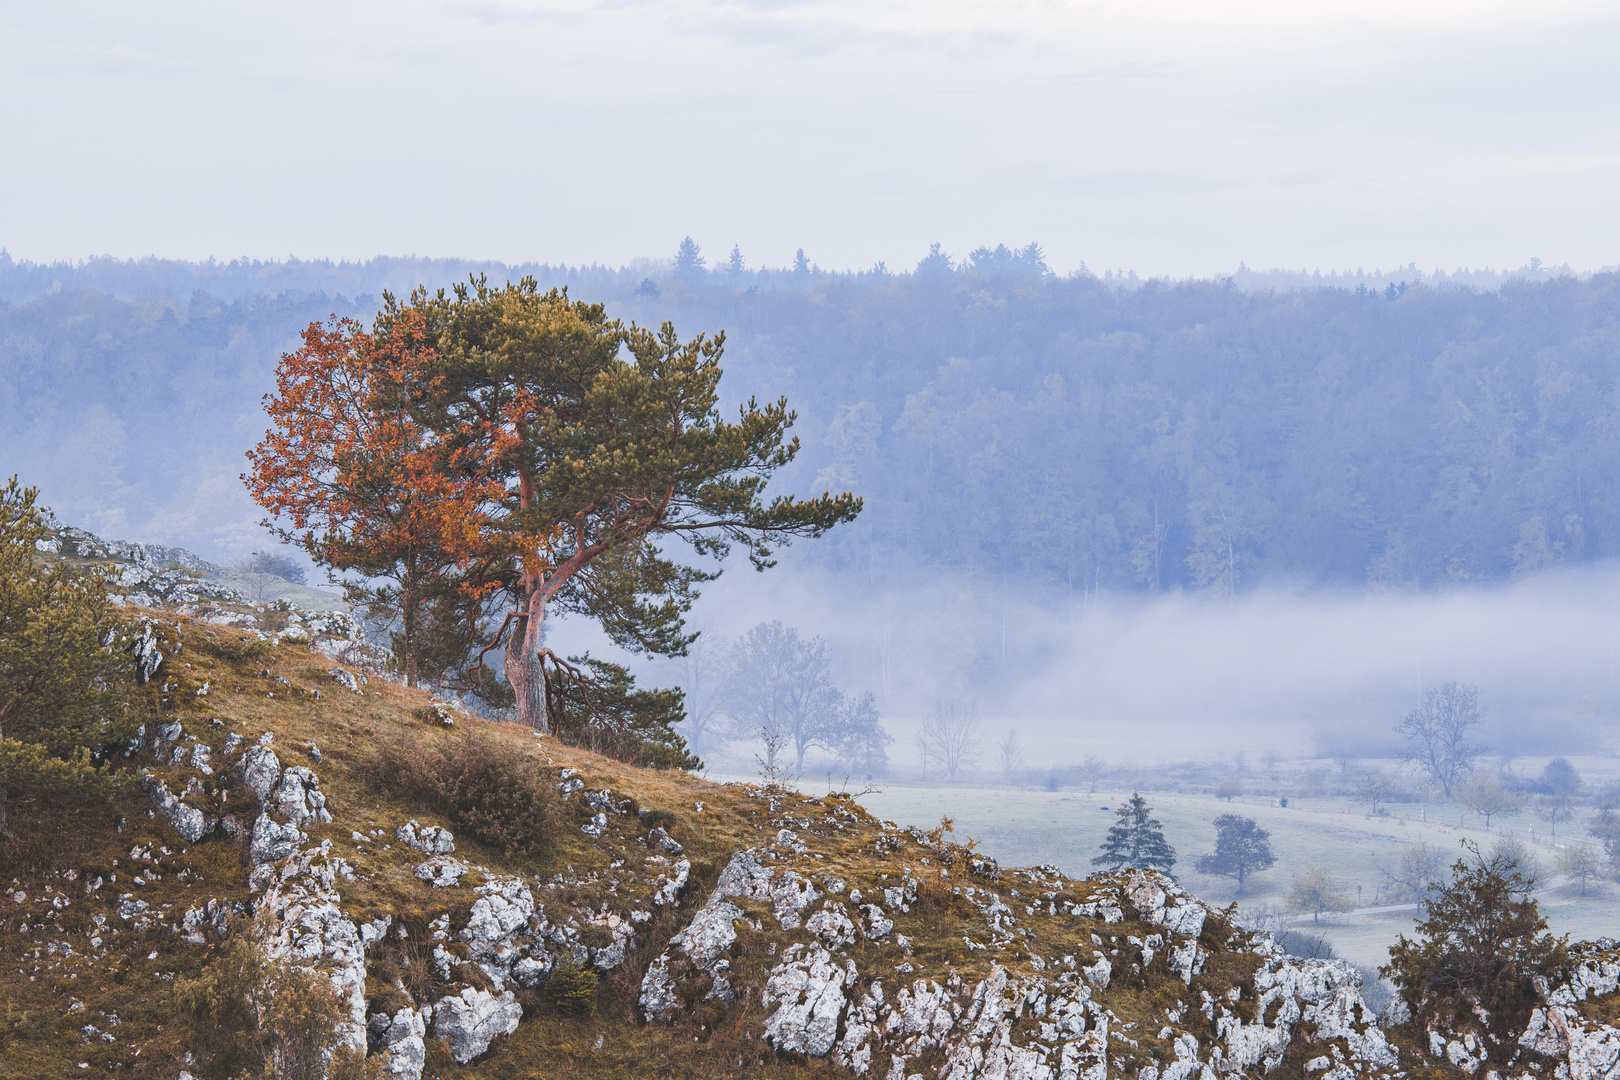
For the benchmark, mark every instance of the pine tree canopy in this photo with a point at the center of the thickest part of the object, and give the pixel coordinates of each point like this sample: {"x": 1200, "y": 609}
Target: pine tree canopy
{"x": 1136, "y": 840}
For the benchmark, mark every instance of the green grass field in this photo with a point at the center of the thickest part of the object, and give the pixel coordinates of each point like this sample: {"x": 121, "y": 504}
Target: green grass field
{"x": 1064, "y": 828}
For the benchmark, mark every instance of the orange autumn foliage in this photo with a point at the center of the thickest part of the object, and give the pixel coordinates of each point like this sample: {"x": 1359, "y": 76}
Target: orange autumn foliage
{"x": 364, "y": 485}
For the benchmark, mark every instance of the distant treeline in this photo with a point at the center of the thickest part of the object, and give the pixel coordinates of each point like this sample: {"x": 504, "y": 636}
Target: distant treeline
{"x": 1004, "y": 424}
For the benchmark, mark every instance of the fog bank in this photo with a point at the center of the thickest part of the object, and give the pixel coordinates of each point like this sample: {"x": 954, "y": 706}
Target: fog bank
{"x": 1181, "y": 676}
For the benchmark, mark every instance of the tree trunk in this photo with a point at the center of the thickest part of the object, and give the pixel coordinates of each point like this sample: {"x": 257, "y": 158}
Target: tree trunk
{"x": 410, "y": 600}
{"x": 523, "y": 668}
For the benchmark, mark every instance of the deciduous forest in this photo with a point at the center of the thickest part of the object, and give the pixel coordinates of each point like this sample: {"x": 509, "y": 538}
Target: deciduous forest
{"x": 1003, "y": 423}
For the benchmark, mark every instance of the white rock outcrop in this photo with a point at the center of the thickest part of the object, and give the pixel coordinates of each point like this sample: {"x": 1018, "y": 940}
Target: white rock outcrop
{"x": 471, "y": 1020}
{"x": 192, "y": 824}
{"x": 441, "y": 871}
{"x": 404, "y": 1045}
{"x": 432, "y": 839}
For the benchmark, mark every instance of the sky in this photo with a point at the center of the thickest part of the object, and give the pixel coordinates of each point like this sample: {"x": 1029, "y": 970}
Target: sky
{"x": 1164, "y": 136}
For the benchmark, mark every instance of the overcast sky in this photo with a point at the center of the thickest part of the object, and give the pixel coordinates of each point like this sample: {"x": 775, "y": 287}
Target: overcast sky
{"x": 1169, "y": 137}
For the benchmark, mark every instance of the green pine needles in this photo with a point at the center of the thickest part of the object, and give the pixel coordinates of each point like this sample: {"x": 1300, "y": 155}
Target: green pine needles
{"x": 1136, "y": 840}
{"x": 61, "y": 689}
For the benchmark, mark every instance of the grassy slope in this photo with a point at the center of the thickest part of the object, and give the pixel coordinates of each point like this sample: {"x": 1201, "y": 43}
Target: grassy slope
{"x": 60, "y": 852}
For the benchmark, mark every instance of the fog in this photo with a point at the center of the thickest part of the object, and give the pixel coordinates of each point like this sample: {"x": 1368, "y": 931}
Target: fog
{"x": 1144, "y": 681}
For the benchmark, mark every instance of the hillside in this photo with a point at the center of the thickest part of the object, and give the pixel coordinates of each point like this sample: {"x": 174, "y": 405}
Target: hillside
{"x": 730, "y": 928}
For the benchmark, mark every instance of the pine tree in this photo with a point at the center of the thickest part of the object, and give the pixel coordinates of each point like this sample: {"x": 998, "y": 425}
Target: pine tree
{"x": 60, "y": 698}
{"x": 688, "y": 258}
{"x": 599, "y": 447}
{"x": 735, "y": 264}
{"x": 1136, "y": 840}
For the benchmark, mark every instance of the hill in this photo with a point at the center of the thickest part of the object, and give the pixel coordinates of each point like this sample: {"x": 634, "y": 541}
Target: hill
{"x": 474, "y": 901}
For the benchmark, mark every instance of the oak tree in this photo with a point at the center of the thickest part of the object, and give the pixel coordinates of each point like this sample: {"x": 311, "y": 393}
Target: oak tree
{"x": 1241, "y": 848}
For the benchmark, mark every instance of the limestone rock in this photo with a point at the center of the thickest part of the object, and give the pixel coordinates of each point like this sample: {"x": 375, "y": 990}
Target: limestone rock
{"x": 669, "y": 887}
{"x": 532, "y": 970}
{"x": 810, "y": 991}
{"x": 299, "y": 796}
{"x": 260, "y": 770}
{"x": 429, "y": 838}
{"x": 347, "y": 679}
{"x": 192, "y": 824}
{"x": 271, "y": 841}
{"x": 441, "y": 871}
{"x": 405, "y": 1045}
{"x": 499, "y": 915}
{"x": 877, "y": 925}
{"x": 832, "y": 926}
{"x": 657, "y": 999}
{"x": 657, "y": 837}
{"x": 471, "y": 1020}
{"x": 310, "y": 930}
{"x": 145, "y": 651}
{"x": 604, "y": 802}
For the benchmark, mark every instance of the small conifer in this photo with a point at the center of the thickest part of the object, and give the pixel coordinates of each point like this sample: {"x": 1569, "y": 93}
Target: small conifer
{"x": 1136, "y": 840}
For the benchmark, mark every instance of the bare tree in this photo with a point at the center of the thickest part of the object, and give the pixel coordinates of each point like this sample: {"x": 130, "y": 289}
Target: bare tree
{"x": 769, "y": 767}
{"x": 1010, "y": 755}
{"x": 1555, "y": 808}
{"x": 701, "y": 675}
{"x": 1486, "y": 796}
{"x": 1316, "y": 891}
{"x": 1371, "y": 786}
{"x": 1092, "y": 770}
{"x": 1437, "y": 733}
{"x": 1510, "y": 854}
{"x": 1580, "y": 863}
{"x": 782, "y": 685}
{"x": 1419, "y": 866}
{"x": 951, "y": 738}
{"x": 257, "y": 577}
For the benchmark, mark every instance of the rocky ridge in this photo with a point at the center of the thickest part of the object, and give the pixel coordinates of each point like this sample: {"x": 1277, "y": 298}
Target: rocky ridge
{"x": 751, "y": 929}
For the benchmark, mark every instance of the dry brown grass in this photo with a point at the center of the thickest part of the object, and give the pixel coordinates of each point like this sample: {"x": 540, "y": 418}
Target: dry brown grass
{"x": 41, "y": 1038}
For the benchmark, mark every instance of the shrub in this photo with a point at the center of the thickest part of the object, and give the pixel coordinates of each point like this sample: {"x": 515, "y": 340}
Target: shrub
{"x": 658, "y": 819}
{"x": 571, "y": 990}
{"x": 249, "y": 1016}
{"x": 1477, "y": 954}
{"x": 489, "y": 790}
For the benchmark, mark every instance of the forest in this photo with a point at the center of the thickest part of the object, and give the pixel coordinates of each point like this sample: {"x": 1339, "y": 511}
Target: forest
{"x": 1003, "y": 424}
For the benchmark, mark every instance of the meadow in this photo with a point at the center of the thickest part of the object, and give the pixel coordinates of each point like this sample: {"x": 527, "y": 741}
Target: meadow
{"x": 1063, "y": 828}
